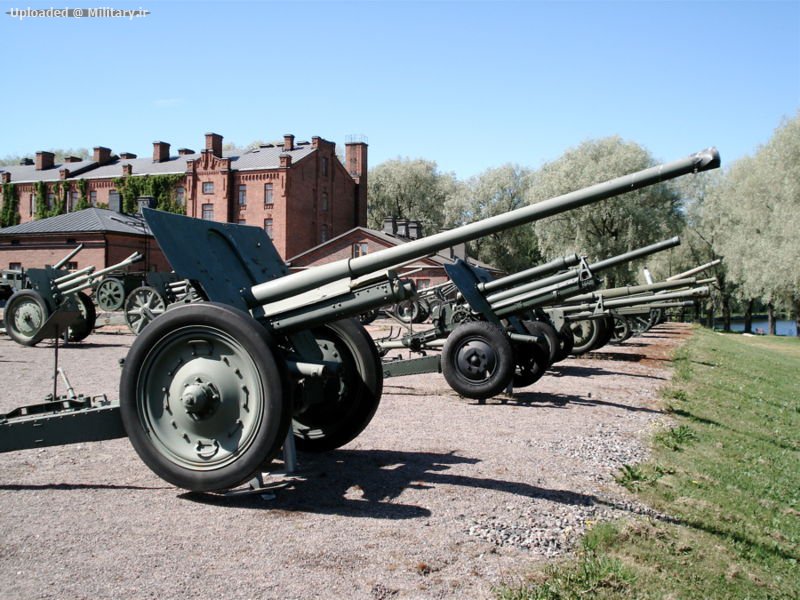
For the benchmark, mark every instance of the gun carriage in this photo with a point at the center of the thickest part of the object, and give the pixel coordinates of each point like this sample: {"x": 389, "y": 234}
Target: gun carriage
{"x": 209, "y": 390}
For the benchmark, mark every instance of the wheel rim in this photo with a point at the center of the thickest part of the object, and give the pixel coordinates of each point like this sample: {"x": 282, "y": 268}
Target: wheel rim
{"x": 582, "y": 332}
{"x": 475, "y": 359}
{"x": 110, "y": 294}
{"x": 143, "y": 305}
{"x": 28, "y": 317}
{"x": 200, "y": 398}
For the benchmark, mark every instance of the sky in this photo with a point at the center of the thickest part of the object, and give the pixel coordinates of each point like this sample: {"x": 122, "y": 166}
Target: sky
{"x": 471, "y": 85}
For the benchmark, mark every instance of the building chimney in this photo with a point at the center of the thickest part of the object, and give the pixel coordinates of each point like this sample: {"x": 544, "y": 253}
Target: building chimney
{"x": 214, "y": 144}
{"x": 127, "y": 170}
{"x": 26, "y": 162}
{"x": 414, "y": 230}
{"x": 44, "y": 160}
{"x": 286, "y": 160}
{"x": 101, "y": 154}
{"x": 355, "y": 161}
{"x": 5, "y": 177}
{"x": 127, "y": 155}
{"x": 160, "y": 151}
{"x": 288, "y": 142}
{"x": 145, "y": 202}
{"x": 72, "y": 159}
{"x": 390, "y": 225}
{"x": 63, "y": 174}
{"x": 185, "y": 151}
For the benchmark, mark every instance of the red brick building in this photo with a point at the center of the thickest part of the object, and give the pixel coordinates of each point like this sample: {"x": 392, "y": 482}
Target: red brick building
{"x": 425, "y": 272}
{"x": 298, "y": 187}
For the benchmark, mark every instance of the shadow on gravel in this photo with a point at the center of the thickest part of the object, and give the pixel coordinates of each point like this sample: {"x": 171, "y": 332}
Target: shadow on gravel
{"x": 618, "y": 356}
{"x": 364, "y": 484}
{"x": 13, "y": 487}
{"x": 571, "y": 370}
{"x": 543, "y": 400}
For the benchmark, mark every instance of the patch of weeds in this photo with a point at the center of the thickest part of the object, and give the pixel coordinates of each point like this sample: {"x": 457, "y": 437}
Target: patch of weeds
{"x": 676, "y": 438}
{"x": 631, "y": 477}
{"x": 682, "y": 363}
{"x": 676, "y": 394}
{"x": 594, "y": 574}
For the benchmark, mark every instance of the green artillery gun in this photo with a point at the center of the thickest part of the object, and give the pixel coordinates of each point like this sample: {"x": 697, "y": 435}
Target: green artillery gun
{"x": 506, "y": 303}
{"x": 51, "y": 302}
{"x": 209, "y": 391}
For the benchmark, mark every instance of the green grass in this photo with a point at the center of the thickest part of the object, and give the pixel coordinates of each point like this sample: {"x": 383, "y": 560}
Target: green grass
{"x": 727, "y": 471}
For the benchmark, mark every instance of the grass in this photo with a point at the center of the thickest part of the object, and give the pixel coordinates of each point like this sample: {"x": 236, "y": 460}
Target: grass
{"x": 727, "y": 471}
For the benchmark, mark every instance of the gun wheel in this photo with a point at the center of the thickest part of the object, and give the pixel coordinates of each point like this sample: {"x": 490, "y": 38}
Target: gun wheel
{"x": 110, "y": 294}
{"x": 142, "y": 306}
{"x": 566, "y": 342}
{"x": 622, "y": 330}
{"x": 349, "y": 400}
{"x": 84, "y": 325}
{"x": 408, "y": 311}
{"x": 201, "y": 397}
{"x": 532, "y": 360}
{"x": 25, "y": 314}
{"x": 477, "y": 360}
{"x": 586, "y": 332}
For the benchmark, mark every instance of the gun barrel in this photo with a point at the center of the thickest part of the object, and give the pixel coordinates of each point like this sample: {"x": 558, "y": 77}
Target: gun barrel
{"x": 697, "y": 292}
{"x": 633, "y": 290}
{"x": 73, "y": 275}
{"x": 296, "y": 283}
{"x": 634, "y": 254}
{"x": 135, "y": 257}
{"x": 66, "y": 259}
{"x": 696, "y": 270}
{"x": 554, "y": 265}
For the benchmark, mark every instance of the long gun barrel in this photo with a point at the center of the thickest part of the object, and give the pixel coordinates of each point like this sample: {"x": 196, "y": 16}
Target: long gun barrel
{"x": 696, "y": 270}
{"x": 697, "y": 292}
{"x": 633, "y": 290}
{"x": 66, "y": 259}
{"x": 296, "y": 283}
{"x": 527, "y": 274}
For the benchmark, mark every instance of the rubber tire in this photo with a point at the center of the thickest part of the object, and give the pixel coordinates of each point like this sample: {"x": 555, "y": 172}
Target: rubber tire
{"x": 81, "y": 328}
{"x": 500, "y": 376}
{"x": 622, "y": 330}
{"x": 411, "y": 315}
{"x": 332, "y": 424}
{"x": 8, "y": 315}
{"x": 550, "y": 334}
{"x": 276, "y": 415}
{"x": 532, "y": 360}
{"x": 591, "y": 340}
{"x": 567, "y": 341}
{"x": 423, "y": 311}
{"x": 606, "y": 331}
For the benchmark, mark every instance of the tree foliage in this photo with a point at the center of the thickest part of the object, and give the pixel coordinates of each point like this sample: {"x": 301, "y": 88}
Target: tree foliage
{"x": 410, "y": 189}
{"x": 609, "y": 227}
{"x": 491, "y": 193}
{"x": 9, "y": 214}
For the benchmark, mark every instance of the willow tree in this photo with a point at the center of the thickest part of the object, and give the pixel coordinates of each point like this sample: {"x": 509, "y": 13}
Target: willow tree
{"x": 612, "y": 226}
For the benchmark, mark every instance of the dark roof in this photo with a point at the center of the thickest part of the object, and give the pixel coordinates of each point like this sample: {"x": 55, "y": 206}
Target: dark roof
{"x": 262, "y": 157}
{"x": 87, "y": 220}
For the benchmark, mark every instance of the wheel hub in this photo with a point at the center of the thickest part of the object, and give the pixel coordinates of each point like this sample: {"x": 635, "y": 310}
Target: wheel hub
{"x": 200, "y": 399}
{"x": 476, "y": 358}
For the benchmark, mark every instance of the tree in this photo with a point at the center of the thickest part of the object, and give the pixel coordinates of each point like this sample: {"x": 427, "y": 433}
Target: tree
{"x": 410, "y": 189}
{"x": 758, "y": 208}
{"x": 60, "y": 154}
{"x": 493, "y": 192}
{"x": 610, "y": 227}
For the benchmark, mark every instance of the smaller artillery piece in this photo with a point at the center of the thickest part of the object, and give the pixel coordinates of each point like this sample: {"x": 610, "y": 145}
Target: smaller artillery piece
{"x": 209, "y": 391}
{"x": 507, "y": 304}
{"x": 51, "y": 302}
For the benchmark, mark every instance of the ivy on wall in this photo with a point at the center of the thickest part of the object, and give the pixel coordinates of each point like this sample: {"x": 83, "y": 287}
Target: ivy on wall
{"x": 83, "y": 198}
{"x": 9, "y": 214}
{"x": 161, "y": 187}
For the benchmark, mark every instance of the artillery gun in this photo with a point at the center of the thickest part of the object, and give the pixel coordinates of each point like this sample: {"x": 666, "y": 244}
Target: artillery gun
{"x": 51, "y": 302}
{"x": 209, "y": 391}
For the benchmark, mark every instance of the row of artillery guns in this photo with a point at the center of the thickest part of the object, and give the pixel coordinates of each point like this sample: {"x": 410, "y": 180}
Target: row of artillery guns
{"x": 550, "y": 311}
{"x": 211, "y": 391}
{"x": 53, "y": 301}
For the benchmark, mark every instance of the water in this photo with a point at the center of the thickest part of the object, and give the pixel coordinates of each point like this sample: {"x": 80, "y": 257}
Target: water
{"x": 783, "y": 326}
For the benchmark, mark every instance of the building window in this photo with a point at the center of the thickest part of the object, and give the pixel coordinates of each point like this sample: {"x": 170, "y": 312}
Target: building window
{"x": 324, "y": 166}
{"x": 32, "y": 205}
{"x": 242, "y": 195}
{"x": 93, "y": 198}
{"x": 208, "y": 187}
{"x": 180, "y": 196}
{"x": 72, "y": 266}
{"x": 113, "y": 200}
{"x": 268, "y": 227}
{"x": 208, "y": 212}
{"x": 323, "y": 234}
{"x": 324, "y": 200}
{"x": 72, "y": 201}
{"x": 423, "y": 283}
{"x": 242, "y": 221}
{"x": 359, "y": 249}
{"x": 15, "y": 266}
{"x": 267, "y": 195}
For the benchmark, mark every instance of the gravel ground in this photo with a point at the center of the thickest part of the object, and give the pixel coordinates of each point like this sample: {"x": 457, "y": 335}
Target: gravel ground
{"x": 440, "y": 497}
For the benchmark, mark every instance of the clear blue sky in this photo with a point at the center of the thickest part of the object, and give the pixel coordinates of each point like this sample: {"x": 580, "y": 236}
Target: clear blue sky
{"x": 471, "y": 85}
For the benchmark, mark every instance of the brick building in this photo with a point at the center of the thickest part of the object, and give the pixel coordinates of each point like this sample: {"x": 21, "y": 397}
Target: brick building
{"x": 298, "y": 187}
{"x": 425, "y": 272}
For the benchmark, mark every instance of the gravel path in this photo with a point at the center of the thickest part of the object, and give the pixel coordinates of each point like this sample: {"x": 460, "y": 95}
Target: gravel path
{"x": 439, "y": 498}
